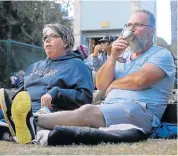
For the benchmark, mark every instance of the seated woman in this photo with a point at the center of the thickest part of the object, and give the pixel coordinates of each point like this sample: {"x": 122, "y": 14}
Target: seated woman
{"x": 61, "y": 81}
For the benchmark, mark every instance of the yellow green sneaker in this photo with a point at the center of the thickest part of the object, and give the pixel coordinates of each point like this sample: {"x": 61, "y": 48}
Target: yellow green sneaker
{"x": 23, "y": 118}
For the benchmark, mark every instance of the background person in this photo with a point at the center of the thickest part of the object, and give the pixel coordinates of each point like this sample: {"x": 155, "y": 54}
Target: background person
{"x": 84, "y": 51}
{"x": 101, "y": 52}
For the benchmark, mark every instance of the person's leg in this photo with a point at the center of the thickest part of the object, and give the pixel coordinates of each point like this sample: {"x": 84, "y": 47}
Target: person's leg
{"x": 87, "y": 115}
{"x": 1, "y": 114}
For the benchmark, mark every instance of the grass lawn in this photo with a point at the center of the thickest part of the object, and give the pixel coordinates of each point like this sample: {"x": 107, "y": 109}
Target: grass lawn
{"x": 149, "y": 147}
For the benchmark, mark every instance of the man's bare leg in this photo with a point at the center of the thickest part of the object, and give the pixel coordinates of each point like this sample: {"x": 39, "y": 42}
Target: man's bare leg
{"x": 25, "y": 128}
{"x": 86, "y": 115}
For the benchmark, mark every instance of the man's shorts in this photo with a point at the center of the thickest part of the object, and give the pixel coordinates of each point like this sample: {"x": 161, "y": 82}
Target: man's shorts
{"x": 127, "y": 112}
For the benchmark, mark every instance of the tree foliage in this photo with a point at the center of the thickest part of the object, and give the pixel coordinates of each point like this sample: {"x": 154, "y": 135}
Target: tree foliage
{"x": 23, "y": 20}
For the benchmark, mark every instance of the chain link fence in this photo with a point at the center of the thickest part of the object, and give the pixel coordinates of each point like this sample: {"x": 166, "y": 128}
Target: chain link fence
{"x": 15, "y": 56}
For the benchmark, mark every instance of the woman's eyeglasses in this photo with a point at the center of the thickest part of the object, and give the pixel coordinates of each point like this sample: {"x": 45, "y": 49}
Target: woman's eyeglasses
{"x": 50, "y": 37}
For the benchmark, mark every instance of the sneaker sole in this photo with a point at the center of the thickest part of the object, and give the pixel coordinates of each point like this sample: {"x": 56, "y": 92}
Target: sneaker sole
{"x": 20, "y": 108}
{"x": 4, "y": 109}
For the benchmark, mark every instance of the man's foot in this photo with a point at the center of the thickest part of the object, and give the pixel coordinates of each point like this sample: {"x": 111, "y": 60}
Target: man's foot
{"x": 6, "y": 103}
{"x": 23, "y": 118}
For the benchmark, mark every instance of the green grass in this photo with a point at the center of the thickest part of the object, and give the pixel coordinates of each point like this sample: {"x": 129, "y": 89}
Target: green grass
{"x": 149, "y": 147}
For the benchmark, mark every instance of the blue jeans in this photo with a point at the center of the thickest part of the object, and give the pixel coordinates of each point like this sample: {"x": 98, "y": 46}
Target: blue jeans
{"x": 1, "y": 114}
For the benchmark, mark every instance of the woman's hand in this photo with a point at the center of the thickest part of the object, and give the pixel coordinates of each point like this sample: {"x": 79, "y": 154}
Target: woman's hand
{"x": 46, "y": 100}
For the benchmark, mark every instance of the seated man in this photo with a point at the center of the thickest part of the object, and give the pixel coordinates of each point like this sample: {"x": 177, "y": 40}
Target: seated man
{"x": 14, "y": 82}
{"x": 137, "y": 91}
{"x": 101, "y": 52}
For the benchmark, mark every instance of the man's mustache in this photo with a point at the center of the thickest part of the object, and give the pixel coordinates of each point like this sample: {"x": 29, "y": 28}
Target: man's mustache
{"x": 137, "y": 43}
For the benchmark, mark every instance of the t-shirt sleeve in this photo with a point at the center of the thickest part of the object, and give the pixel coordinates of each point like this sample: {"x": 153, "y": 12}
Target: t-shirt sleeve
{"x": 164, "y": 60}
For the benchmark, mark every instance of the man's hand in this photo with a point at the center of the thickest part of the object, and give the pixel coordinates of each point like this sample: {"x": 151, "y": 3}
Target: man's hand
{"x": 118, "y": 47}
{"x": 97, "y": 49}
{"x": 46, "y": 100}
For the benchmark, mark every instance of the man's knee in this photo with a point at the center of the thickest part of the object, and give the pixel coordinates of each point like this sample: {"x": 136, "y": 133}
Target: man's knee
{"x": 91, "y": 114}
{"x": 89, "y": 110}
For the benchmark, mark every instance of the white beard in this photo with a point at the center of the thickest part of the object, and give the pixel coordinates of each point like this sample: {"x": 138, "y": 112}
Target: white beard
{"x": 138, "y": 43}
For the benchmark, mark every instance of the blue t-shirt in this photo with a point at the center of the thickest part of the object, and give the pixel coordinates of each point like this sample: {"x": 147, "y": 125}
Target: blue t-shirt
{"x": 156, "y": 96}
